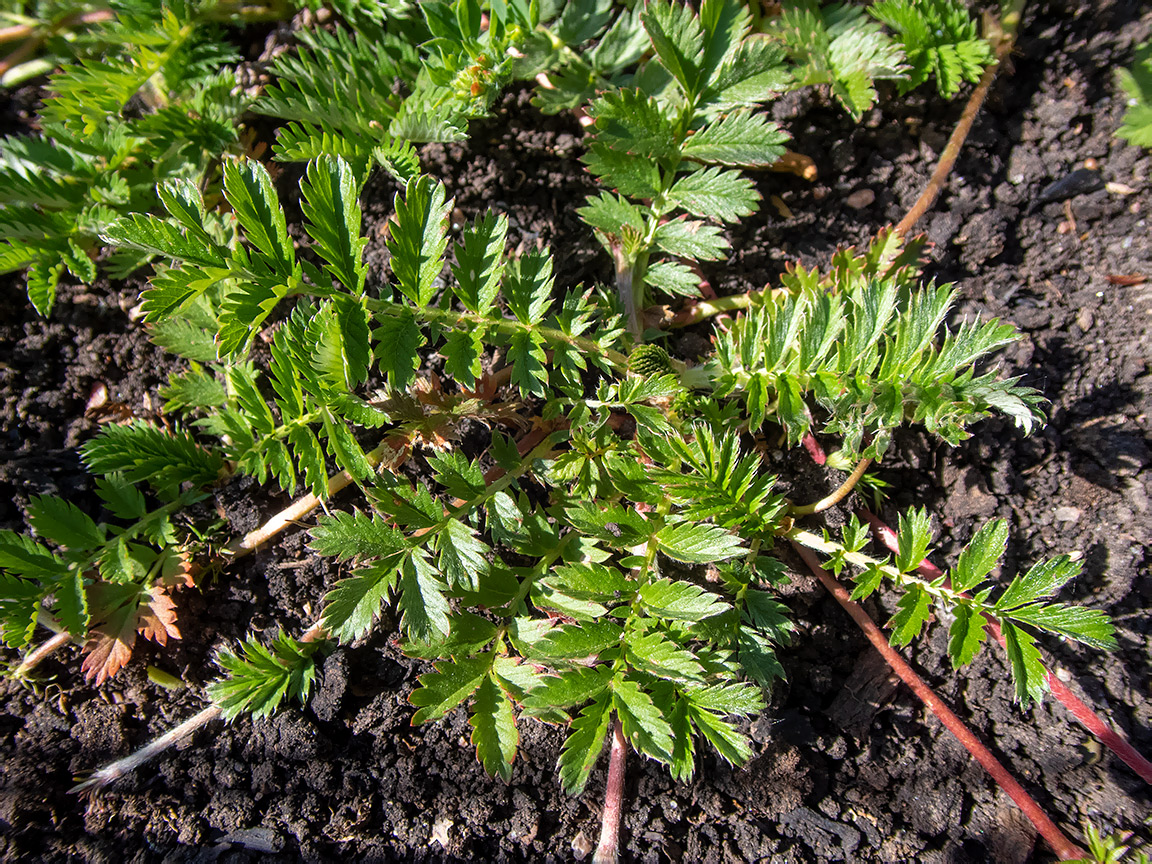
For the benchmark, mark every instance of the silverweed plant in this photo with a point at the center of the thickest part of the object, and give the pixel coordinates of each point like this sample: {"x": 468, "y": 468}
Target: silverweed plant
{"x": 608, "y": 560}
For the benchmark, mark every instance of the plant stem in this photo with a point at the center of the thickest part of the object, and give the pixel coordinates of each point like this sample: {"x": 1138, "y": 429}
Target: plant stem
{"x": 452, "y": 318}
{"x": 1064, "y": 848}
{"x": 111, "y": 773}
{"x": 296, "y": 511}
{"x": 608, "y": 850}
{"x": 836, "y": 497}
{"x": 1004, "y": 36}
{"x": 1084, "y": 715}
{"x": 814, "y": 449}
{"x": 34, "y": 658}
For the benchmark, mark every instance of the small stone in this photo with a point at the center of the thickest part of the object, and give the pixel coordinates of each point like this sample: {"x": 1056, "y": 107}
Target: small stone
{"x": 860, "y": 199}
{"x": 1067, "y": 514}
{"x": 582, "y": 846}
{"x": 1085, "y": 320}
{"x": 440, "y": 829}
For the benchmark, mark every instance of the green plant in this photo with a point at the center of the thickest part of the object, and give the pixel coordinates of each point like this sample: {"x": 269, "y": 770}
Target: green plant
{"x": 939, "y": 38}
{"x": 607, "y": 560}
{"x": 1110, "y": 849}
{"x": 155, "y": 106}
{"x": 484, "y": 575}
{"x": 1137, "y": 84}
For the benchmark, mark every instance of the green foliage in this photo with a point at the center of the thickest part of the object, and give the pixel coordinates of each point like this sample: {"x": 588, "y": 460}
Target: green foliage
{"x": 610, "y": 556}
{"x": 1109, "y": 849}
{"x": 940, "y": 39}
{"x": 681, "y": 150}
{"x": 260, "y": 677}
{"x": 1137, "y": 85}
{"x": 867, "y": 355}
{"x": 965, "y": 595}
{"x": 337, "y": 91}
{"x": 837, "y": 45}
{"x": 106, "y": 582}
{"x": 153, "y": 104}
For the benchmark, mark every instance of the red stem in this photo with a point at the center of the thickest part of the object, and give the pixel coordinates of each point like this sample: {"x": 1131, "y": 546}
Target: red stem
{"x": 1063, "y": 847}
{"x": 608, "y": 850}
{"x": 814, "y": 449}
{"x": 1083, "y": 714}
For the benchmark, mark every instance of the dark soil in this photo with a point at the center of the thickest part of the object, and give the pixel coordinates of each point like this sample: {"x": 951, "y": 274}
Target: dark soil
{"x": 847, "y": 767}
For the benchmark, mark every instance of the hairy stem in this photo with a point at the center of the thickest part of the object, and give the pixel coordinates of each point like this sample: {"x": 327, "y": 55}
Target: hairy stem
{"x": 1003, "y": 39}
{"x": 296, "y": 511}
{"x": 34, "y": 658}
{"x": 1063, "y": 847}
{"x": 1084, "y": 715}
{"x": 608, "y": 850}
{"x": 836, "y": 497}
{"x": 112, "y": 773}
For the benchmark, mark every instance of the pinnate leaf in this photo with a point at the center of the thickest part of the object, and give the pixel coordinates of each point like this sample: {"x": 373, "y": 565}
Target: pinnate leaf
{"x": 23, "y": 556}
{"x": 698, "y": 542}
{"x": 911, "y": 615}
{"x": 573, "y": 686}
{"x": 160, "y": 237}
{"x": 356, "y": 535}
{"x": 63, "y": 523}
{"x": 526, "y": 354}
{"x": 480, "y": 262}
{"x": 740, "y": 139}
{"x": 724, "y": 196}
{"x": 19, "y": 609}
{"x": 691, "y": 238}
{"x": 644, "y": 725}
{"x": 332, "y": 209}
{"x": 463, "y": 556}
{"x": 156, "y": 616}
{"x": 913, "y": 537}
{"x": 1027, "y": 668}
{"x": 1042, "y": 580}
{"x": 678, "y": 38}
{"x": 658, "y": 655}
{"x": 249, "y": 190}
{"x": 966, "y": 634}
{"x": 631, "y": 122}
{"x": 352, "y": 606}
{"x": 570, "y": 642}
{"x": 422, "y": 602}
{"x": 121, "y": 497}
{"x": 1090, "y": 626}
{"x": 732, "y": 746}
{"x": 680, "y": 601}
{"x": 398, "y": 339}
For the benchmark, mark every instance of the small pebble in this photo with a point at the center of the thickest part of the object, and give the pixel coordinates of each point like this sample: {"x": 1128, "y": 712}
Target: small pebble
{"x": 860, "y": 199}
{"x": 440, "y": 829}
{"x": 581, "y": 846}
{"x": 1084, "y": 319}
{"x": 1067, "y": 514}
